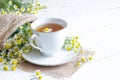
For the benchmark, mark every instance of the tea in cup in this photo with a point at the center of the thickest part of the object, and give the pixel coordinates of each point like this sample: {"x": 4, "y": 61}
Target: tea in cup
{"x": 49, "y": 35}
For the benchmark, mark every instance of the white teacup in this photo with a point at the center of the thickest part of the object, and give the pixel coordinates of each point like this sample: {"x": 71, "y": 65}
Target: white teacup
{"x": 49, "y": 43}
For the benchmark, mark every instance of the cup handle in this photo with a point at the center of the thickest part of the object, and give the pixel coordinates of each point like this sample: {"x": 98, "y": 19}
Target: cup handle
{"x": 32, "y": 44}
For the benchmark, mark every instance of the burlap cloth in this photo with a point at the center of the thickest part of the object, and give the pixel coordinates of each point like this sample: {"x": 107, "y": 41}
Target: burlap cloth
{"x": 9, "y": 23}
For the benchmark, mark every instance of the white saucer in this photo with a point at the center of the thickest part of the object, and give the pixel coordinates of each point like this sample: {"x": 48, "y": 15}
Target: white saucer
{"x": 61, "y": 58}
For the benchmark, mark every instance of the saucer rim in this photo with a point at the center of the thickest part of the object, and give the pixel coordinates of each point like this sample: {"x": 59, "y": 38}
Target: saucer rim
{"x": 57, "y": 64}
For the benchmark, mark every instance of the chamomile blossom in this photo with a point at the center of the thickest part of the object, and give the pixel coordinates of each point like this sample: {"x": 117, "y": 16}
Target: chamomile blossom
{"x": 78, "y": 63}
{"x": 68, "y": 47}
{"x": 38, "y": 74}
{"x": 1, "y": 59}
{"x": 5, "y": 68}
{"x": 90, "y": 58}
{"x": 22, "y": 9}
{"x": 15, "y": 7}
{"x": 14, "y": 62}
{"x": 10, "y": 3}
{"x": 29, "y": 9}
{"x": 18, "y": 13}
{"x": 13, "y": 68}
{"x": 8, "y": 45}
{"x": 18, "y": 41}
{"x": 3, "y": 12}
{"x": 47, "y": 30}
{"x": 72, "y": 43}
{"x": 83, "y": 59}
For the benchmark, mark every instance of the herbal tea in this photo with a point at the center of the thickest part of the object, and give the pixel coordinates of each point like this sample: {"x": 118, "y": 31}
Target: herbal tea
{"x": 49, "y": 27}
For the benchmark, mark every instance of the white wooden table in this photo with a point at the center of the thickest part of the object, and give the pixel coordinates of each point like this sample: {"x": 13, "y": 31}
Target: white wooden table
{"x": 97, "y": 22}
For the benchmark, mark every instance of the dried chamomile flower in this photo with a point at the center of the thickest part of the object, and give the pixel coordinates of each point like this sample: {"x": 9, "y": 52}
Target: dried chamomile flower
{"x": 76, "y": 50}
{"x": 16, "y": 48}
{"x": 15, "y": 7}
{"x": 83, "y": 59}
{"x": 68, "y": 48}
{"x": 90, "y": 58}
{"x": 3, "y": 53}
{"x": 1, "y": 59}
{"x": 2, "y": 12}
{"x": 18, "y": 41}
{"x": 14, "y": 67}
{"x": 78, "y": 63}
{"x": 8, "y": 45}
{"x": 10, "y": 55}
{"x": 22, "y": 9}
{"x": 76, "y": 37}
{"x": 18, "y": 13}
{"x": 29, "y": 9}
{"x": 47, "y": 30}
{"x": 37, "y": 72}
{"x": 40, "y": 77}
{"x": 19, "y": 53}
{"x": 14, "y": 62}
{"x": 10, "y": 3}
{"x": 5, "y": 68}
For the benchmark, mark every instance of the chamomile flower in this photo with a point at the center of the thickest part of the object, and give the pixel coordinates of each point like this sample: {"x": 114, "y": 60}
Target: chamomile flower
{"x": 8, "y": 45}
{"x": 22, "y": 9}
{"x": 18, "y": 41}
{"x": 83, "y": 59}
{"x": 76, "y": 50}
{"x": 14, "y": 62}
{"x": 77, "y": 46}
{"x": 19, "y": 53}
{"x": 14, "y": 67}
{"x": 40, "y": 77}
{"x": 16, "y": 48}
{"x": 47, "y": 30}
{"x": 3, "y": 53}
{"x": 76, "y": 37}
{"x": 5, "y": 68}
{"x": 37, "y": 72}
{"x": 68, "y": 48}
{"x": 1, "y": 59}
{"x": 90, "y": 58}
{"x": 18, "y": 13}
{"x": 10, "y": 3}
{"x": 15, "y": 7}
{"x": 2, "y": 12}
{"x": 10, "y": 55}
{"x": 78, "y": 63}
{"x": 29, "y": 9}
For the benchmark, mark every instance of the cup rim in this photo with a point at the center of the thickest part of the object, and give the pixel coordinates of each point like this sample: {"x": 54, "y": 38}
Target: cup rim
{"x": 46, "y": 19}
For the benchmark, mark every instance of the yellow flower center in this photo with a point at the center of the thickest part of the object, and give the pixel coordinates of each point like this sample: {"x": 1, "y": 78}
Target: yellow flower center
{"x": 1, "y": 60}
{"x": 47, "y": 30}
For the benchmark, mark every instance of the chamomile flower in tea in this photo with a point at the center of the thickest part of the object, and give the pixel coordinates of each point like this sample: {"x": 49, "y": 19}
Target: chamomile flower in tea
{"x": 47, "y": 30}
